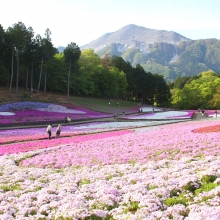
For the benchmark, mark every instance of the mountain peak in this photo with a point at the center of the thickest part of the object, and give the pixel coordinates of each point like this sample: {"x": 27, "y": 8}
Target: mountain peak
{"x": 135, "y": 36}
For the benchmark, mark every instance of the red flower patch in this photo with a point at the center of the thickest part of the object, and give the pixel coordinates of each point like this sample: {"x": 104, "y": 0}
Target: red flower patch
{"x": 214, "y": 128}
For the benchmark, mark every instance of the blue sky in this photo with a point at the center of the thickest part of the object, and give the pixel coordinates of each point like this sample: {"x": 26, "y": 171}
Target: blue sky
{"x": 82, "y": 21}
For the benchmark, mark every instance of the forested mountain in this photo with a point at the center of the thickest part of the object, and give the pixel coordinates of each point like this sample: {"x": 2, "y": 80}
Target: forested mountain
{"x": 33, "y": 63}
{"x": 162, "y": 52}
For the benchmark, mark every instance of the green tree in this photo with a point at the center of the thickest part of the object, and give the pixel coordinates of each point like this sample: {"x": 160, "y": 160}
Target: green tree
{"x": 176, "y": 97}
{"x": 126, "y": 67}
{"x": 180, "y": 82}
{"x": 28, "y": 53}
{"x": 143, "y": 85}
{"x": 106, "y": 82}
{"x": 162, "y": 92}
{"x": 122, "y": 84}
{"x": 46, "y": 51}
{"x": 19, "y": 36}
{"x": 50, "y": 51}
{"x": 200, "y": 91}
{"x": 215, "y": 102}
{"x": 3, "y": 71}
{"x": 89, "y": 65}
{"x": 106, "y": 60}
{"x": 71, "y": 56}
{"x": 57, "y": 81}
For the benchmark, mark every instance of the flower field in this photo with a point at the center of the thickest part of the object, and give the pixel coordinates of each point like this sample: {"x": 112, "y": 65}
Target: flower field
{"x": 22, "y": 112}
{"x": 153, "y": 170}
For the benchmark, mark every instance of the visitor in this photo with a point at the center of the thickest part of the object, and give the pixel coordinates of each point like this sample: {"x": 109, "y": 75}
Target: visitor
{"x": 123, "y": 113}
{"x": 58, "y": 131}
{"x": 68, "y": 120}
{"x": 65, "y": 120}
{"x": 216, "y": 113}
{"x": 114, "y": 115}
{"x": 203, "y": 111}
{"x": 49, "y": 131}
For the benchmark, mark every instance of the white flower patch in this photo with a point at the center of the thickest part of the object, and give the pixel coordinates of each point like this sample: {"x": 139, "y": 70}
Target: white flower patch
{"x": 60, "y": 109}
{"x": 163, "y": 115}
{"x": 7, "y": 113}
{"x": 122, "y": 125}
{"x": 112, "y": 125}
{"x": 150, "y": 109}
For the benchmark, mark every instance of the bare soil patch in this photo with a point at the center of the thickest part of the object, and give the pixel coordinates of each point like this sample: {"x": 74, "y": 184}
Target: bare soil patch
{"x": 7, "y": 97}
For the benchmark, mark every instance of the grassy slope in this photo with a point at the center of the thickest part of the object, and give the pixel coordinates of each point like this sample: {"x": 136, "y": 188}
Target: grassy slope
{"x": 96, "y": 104}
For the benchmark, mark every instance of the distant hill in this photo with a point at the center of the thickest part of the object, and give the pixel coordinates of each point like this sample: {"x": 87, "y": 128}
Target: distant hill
{"x": 60, "y": 49}
{"x": 158, "y": 51}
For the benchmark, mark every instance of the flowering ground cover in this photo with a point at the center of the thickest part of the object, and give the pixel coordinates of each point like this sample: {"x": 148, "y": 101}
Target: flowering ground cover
{"x": 172, "y": 141}
{"x": 213, "y": 128}
{"x": 159, "y": 114}
{"x": 157, "y": 172}
{"x": 36, "y": 134}
{"x": 21, "y": 112}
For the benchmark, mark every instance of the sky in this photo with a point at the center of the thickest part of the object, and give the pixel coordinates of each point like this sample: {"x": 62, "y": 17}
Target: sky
{"x": 82, "y": 21}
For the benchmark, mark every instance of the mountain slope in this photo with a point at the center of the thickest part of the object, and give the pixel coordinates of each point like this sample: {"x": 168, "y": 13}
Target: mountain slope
{"x": 158, "y": 51}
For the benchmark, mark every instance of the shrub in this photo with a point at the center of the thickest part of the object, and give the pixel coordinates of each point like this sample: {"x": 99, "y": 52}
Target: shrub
{"x": 177, "y": 200}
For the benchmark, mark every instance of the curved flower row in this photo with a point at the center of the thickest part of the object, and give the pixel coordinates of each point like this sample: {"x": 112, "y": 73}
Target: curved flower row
{"x": 15, "y": 106}
{"x": 30, "y": 134}
{"x": 40, "y": 144}
{"x": 22, "y": 112}
{"x": 164, "y": 115}
{"x": 168, "y": 142}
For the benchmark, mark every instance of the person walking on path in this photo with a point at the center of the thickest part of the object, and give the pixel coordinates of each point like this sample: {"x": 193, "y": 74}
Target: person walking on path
{"x": 49, "y": 131}
{"x": 65, "y": 120}
{"x": 216, "y": 113}
{"x": 58, "y": 131}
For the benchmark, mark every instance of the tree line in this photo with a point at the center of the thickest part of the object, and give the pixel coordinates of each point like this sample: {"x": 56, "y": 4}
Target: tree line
{"x": 32, "y": 62}
{"x": 196, "y": 92}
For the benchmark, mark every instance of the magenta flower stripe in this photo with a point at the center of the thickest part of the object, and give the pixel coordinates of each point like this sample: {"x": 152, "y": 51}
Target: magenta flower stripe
{"x": 35, "y": 145}
{"x": 166, "y": 142}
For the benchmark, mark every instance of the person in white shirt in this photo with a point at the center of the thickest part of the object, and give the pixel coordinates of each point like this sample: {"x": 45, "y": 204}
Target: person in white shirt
{"x": 49, "y": 131}
{"x": 68, "y": 119}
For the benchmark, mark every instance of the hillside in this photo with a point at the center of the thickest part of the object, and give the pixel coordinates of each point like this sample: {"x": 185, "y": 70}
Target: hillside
{"x": 96, "y": 104}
